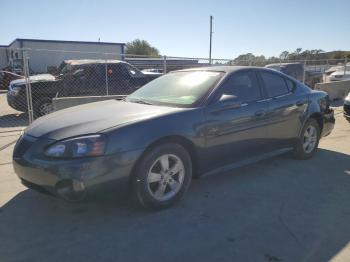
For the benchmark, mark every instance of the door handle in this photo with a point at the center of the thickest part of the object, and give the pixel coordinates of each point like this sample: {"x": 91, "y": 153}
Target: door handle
{"x": 300, "y": 103}
{"x": 260, "y": 113}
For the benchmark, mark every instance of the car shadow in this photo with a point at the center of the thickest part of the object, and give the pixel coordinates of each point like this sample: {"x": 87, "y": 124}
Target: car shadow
{"x": 14, "y": 120}
{"x": 276, "y": 210}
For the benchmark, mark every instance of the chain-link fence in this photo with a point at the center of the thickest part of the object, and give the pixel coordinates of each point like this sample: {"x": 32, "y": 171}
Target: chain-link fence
{"x": 42, "y": 75}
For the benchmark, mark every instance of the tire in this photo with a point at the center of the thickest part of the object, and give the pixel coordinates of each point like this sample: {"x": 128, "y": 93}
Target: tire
{"x": 158, "y": 183}
{"x": 307, "y": 143}
{"x": 42, "y": 107}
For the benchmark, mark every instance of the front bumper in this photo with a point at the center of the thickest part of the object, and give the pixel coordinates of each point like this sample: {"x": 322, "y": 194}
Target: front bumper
{"x": 18, "y": 102}
{"x": 71, "y": 179}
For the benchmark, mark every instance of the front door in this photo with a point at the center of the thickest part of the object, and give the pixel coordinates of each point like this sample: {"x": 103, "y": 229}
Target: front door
{"x": 238, "y": 133}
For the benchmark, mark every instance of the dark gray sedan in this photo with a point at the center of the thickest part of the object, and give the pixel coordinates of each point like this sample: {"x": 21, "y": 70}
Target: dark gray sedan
{"x": 186, "y": 123}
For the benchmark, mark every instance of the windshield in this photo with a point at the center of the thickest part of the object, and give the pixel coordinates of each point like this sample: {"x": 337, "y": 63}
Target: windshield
{"x": 69, "y": 69}
{"x": 178, "y": 88}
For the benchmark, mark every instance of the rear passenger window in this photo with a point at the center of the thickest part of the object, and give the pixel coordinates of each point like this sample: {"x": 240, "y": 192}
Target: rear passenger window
{"x": 275, "y": 85}
{"x": 244, "y": 86}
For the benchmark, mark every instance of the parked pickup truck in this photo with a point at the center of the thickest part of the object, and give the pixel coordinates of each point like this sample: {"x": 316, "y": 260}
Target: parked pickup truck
{"x": 78, "y": 78}
{"x": 296, "y": 70}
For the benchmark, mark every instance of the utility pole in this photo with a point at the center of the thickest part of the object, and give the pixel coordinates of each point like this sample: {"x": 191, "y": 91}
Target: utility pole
{"x": 211, "y": 36}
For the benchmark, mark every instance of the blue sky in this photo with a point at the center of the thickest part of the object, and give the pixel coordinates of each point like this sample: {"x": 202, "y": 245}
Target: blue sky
{"x": 181, "y": 27}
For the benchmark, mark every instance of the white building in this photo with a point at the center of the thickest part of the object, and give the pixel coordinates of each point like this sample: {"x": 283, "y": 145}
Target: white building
{"x": 50, "y": 53}
{"x": 3, "y": 56}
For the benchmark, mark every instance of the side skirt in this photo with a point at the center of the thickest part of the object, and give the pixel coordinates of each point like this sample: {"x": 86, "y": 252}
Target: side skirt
{"x": 246, "y": 162}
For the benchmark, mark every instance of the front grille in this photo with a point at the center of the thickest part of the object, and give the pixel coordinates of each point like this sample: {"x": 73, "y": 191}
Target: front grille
{"x": 22, "y": 145}
{"x": 347, "y": 109}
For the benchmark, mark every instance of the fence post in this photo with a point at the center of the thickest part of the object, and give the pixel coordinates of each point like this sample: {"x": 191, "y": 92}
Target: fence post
{"x": 164, "y": 65}
{"x": 106, "y": 75}
{"x": 345, "y": 62}
{"x": 28, "y": 87}
{"x": 304, "y": 72}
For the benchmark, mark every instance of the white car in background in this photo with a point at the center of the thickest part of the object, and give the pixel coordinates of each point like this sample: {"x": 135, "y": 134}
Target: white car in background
{"x": 340, "y": 75}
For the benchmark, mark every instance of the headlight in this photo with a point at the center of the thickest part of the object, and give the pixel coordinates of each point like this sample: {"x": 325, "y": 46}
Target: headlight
{"x": 14, "y": 90}
{"x": 84, "y": 146}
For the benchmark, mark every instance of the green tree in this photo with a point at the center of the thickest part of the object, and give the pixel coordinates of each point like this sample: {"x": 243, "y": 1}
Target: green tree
{"x": 141, "y": 47}
{"x": 284, "y": 55}
{"x": 298, "y": 50}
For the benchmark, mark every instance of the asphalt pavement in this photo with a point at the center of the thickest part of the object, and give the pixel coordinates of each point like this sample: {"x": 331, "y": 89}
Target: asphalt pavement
{"x": 280, "y": 209}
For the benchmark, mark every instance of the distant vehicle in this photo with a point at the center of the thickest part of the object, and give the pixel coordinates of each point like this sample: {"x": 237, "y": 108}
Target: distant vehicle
{"x": 347, "y": 107}
{"x": 340, "y": 75}
{"x": 153, "y": 70}
{"x": 78, "y": 78}
{"x": 15, "y": 66}
{"x": 296, "y": 70}
{"x": 183, "y": 124}
{"x": 6, "y": 77}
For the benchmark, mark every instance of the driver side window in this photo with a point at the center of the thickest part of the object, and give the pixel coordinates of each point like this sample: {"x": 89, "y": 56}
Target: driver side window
{"x": 243, "y": 85}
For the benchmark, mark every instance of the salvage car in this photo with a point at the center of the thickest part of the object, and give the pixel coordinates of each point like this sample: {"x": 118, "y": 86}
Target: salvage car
{"x": 78, "y": 78}
{"x": 181, "y": 125}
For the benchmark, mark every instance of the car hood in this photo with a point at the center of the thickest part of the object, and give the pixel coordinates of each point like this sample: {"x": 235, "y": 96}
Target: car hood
{"x": 93, "y": 118}
{"x": 151, "y": 73}
{"x": 34, "y": 78}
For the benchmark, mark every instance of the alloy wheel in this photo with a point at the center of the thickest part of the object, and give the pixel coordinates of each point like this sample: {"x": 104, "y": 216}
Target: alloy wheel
{"x": 310, "y": 139}
{"x": 45, "y": 108}
{"x": 165, "y": 177}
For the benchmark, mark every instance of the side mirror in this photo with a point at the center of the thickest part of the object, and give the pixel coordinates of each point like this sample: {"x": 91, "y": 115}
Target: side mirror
{"x": 227, "y": 102}
{"x": 230, "y": 101}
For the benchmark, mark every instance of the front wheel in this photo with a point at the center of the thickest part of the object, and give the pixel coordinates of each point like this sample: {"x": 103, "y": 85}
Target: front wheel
{"x": 307, "y": 143}
{"x": 43, "y": 107}
{"x": 163, "y": 176}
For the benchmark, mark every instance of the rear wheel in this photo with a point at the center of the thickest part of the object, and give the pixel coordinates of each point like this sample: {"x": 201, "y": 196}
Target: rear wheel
{"x": 163, "y": 176}
{"x": 43, "y": 107}
{"x": 307, "y": 143}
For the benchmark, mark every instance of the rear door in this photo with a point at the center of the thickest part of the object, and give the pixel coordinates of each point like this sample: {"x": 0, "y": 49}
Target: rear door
{"x": 285, "y": 109}
{"x": 118, "y": 79}
{"x": 234, "y": 134}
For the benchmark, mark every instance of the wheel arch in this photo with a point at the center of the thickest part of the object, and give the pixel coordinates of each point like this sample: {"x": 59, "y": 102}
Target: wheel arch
{"x": 315, "y": 115}
{"x": 318, "y": 117}
{"x": 177, "y": 139}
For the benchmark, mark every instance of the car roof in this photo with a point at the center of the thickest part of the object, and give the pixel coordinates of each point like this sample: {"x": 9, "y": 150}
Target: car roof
{"x": 92, "y": 61}
{"x": 225, "y": 69}
{"x": 284, "y": 64}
